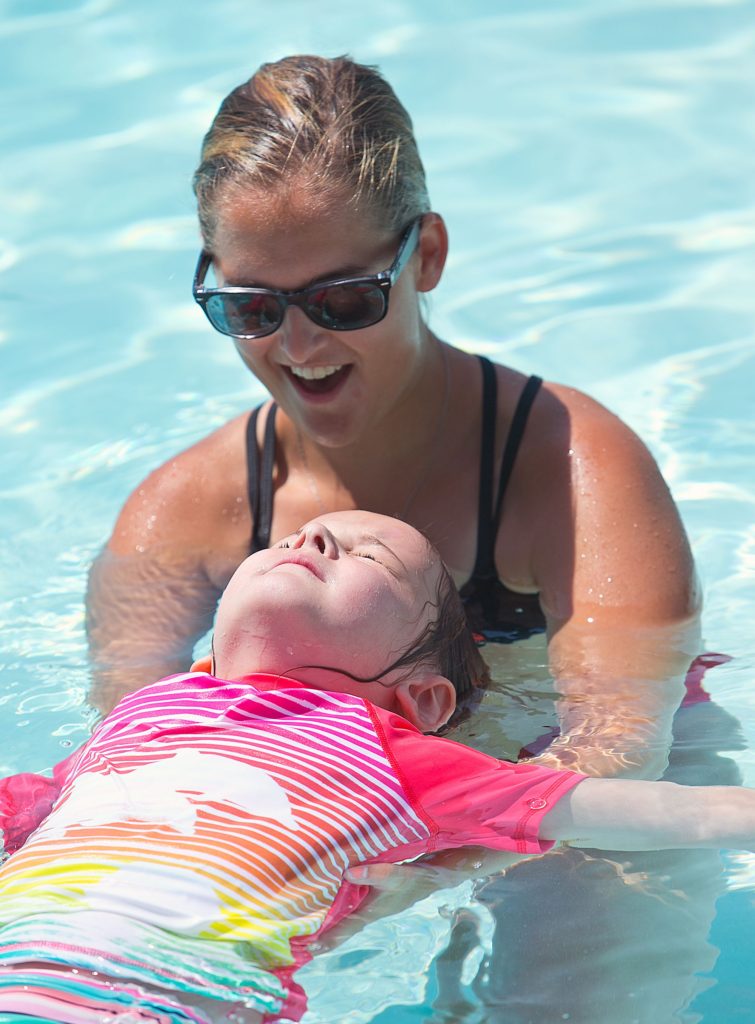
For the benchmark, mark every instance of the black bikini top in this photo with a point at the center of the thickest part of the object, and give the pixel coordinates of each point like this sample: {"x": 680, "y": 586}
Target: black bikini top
{"x": 494, "y": 611}
{"x": 499, "y": 614}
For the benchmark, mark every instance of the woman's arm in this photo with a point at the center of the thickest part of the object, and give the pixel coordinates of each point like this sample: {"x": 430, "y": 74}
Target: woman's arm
{"x": 145, "y": 612}
{"x": 610, "y": 558}
{"x": 154, "y": 588}
{"x": 627, "y": 814}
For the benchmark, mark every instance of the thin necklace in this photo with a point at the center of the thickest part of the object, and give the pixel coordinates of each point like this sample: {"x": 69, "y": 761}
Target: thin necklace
{"x": 429, "y": 463}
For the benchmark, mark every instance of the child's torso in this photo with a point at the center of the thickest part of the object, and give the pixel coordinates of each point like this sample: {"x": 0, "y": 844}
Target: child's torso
{"x": 206, "y": 825}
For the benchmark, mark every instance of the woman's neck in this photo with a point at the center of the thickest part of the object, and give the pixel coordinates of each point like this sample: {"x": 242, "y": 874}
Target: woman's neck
{"x": 386, "y": 467}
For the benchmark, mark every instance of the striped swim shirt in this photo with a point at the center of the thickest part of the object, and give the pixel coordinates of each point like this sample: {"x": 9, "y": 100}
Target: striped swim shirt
{"x": 198, "y": 840}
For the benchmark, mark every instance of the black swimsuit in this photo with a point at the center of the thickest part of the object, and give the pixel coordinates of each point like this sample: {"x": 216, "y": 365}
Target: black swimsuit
{"x": 496, "y": 612}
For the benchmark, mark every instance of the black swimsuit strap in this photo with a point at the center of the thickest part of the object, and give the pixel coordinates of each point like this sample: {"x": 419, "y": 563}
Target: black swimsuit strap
{"x": 260, "y": 482}
{"x": 489, "y": 517}
{"x": 514, "y": 440}
{"x": 485, "y": 538}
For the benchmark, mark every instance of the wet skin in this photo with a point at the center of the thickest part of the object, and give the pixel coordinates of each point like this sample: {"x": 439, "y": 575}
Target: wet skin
{"x": 588, "y": 522}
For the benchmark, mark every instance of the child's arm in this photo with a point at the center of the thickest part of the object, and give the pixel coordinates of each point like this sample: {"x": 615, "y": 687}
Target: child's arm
{"x": 619, "y": 814}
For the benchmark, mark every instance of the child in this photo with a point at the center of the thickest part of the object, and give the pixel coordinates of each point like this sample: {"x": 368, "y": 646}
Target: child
{"x": 200, "y": 837}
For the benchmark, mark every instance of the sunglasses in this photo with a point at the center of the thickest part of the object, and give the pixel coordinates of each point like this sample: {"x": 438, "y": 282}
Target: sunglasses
{"x": 343, "y": 304}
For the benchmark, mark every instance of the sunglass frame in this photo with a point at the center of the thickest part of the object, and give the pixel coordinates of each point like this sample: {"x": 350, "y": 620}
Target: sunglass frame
{"x": 384, "y": 280}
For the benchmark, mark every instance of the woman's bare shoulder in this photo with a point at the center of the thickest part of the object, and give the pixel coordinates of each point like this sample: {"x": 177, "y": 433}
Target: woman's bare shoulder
{"x": 570, "y": 424}
{"x": 599, "y": 504}
{"x": 191, "y": 497}
{"x": 565, "y": 422}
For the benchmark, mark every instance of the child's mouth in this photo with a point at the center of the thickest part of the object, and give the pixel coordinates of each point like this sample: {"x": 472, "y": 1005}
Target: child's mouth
{"x": 318, "y": 380}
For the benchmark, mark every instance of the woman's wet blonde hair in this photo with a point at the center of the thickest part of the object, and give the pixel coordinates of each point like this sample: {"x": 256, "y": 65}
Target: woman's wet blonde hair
{"x": 329, "y": 125}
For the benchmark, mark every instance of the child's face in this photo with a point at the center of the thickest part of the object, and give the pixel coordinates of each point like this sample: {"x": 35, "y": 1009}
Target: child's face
{"x": 350, "y": 591}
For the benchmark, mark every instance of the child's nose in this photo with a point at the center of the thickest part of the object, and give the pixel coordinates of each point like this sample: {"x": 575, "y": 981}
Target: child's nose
{"x": 316, "y": 535}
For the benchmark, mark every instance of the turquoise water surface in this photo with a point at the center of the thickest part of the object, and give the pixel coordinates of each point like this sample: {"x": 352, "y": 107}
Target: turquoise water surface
{"x": 595, "y": 162}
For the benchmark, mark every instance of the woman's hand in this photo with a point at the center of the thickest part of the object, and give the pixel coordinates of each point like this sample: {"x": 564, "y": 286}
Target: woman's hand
{"x": 436, "y": 871}
{"x": 396, "y": 887}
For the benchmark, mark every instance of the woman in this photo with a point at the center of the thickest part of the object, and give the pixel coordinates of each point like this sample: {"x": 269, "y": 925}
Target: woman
{"x": 549, "y": 511}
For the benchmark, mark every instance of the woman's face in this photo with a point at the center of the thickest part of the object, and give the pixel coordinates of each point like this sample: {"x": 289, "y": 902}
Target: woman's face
{"x": 349, "y": 591}
{"x": 334, "y": 385}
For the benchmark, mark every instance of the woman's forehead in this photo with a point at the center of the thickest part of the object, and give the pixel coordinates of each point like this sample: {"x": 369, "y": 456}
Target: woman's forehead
{"x": 260, "y": 233}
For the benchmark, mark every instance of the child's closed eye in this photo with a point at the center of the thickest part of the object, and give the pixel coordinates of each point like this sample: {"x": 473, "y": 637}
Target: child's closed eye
{"x": 366, "y": 554}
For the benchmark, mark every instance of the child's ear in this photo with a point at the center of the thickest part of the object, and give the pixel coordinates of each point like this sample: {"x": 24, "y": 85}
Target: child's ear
{"x": 427, "y": 701}
{"x": 203, "y": 664}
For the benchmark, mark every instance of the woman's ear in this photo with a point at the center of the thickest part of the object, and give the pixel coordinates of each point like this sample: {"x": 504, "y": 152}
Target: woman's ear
{"x": 427, "y": 701}
{"x": 433, "y": 250}
{"x": 203, "y": 664}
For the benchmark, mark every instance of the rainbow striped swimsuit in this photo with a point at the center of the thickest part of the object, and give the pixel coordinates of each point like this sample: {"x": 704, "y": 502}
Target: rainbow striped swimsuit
{"x": 200, "y": 836}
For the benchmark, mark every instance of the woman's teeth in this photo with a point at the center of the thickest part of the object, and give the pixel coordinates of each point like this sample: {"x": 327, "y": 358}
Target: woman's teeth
{"x": 314, "y": 372}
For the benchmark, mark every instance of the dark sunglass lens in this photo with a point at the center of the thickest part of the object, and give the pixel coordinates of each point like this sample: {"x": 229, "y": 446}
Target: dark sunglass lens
{"x": 245, "y": 315}
{"x": 346, "y": 307}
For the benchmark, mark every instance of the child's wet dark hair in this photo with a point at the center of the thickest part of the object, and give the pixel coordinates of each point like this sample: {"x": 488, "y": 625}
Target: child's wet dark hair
{"x": 447, "y": 644}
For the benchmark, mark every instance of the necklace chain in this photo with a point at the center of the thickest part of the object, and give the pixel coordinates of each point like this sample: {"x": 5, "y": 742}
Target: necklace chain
{"x": 429, "y": 463}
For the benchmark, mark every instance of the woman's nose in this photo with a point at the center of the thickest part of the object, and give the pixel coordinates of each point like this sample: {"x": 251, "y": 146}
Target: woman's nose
{"x": 316, "y": 535}
{"x": 298, "y": 335}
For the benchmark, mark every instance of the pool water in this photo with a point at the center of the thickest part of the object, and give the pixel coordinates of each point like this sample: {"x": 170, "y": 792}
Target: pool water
{"x": 595, "y": 162}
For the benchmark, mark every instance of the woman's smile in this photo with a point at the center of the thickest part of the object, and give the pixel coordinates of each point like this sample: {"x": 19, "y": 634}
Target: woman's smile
{"x": 317, "y": 382}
